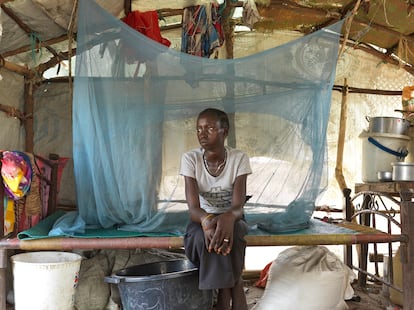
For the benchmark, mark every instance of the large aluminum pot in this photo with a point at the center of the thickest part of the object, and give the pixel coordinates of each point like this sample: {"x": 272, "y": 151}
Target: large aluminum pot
{"x": 402, "y": 171}
{"x": 383, "y": 124}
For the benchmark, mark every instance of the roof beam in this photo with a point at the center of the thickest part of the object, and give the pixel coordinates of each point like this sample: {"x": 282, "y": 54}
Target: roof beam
{"x": 54, "y": 61}
{"x": 385, "y": 29}
{"x": 24, "y": 27}
{"x": 388, "y": 58}
{"x": 319, "y": 13}
{"x": 38, "y": 45}
{"x": 14, "y": 67}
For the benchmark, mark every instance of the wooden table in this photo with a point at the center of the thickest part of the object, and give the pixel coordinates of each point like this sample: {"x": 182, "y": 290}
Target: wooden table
{"x": 404, "y": 193}
{"x": 391, "y": 188}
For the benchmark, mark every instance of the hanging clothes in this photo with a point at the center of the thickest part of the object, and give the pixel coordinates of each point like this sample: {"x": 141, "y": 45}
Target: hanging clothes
{"x": 202, "y": 31}
{"x": 147, "y": 24}
{"x": 250, "y": 14}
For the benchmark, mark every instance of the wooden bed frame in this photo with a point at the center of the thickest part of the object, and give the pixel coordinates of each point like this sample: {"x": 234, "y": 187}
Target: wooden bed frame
{"x": 364, "y": 236}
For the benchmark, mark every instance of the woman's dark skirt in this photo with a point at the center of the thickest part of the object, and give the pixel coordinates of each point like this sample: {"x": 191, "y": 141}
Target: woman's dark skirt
{"x": 216, "y": 271}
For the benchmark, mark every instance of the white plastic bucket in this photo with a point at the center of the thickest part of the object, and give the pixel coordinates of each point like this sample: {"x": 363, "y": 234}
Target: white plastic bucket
{"x": 375, "y": 158}
{"x": 45, "y": 280}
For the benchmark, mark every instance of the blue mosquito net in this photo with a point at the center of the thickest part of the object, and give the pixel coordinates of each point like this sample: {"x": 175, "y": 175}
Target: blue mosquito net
{"x": 134, "y": 113}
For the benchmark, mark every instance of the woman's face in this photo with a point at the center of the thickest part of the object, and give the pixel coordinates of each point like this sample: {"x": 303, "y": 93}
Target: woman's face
{"x": 210, "y": 134}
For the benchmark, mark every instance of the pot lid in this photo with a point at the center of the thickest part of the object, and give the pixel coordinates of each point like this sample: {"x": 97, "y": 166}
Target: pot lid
{"x": 365, "y": 134}
{"x": 402, "y": 163}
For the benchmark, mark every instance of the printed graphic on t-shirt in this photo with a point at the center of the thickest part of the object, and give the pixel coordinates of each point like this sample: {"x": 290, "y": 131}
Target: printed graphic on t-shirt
{"x": 218, "y": 198}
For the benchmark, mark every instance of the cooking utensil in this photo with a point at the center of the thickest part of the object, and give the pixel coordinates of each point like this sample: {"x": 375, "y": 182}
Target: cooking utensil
{"x": 384, "y": 124}
{"x": 384, "y": 176}
{"x": 402, "y": 171}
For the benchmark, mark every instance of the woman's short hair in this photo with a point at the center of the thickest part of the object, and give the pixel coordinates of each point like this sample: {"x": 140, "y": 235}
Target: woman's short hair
{"x": 219, "y": 114}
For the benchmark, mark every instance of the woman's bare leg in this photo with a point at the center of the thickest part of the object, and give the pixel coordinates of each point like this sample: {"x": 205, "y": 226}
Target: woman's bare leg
{"x": 223, "y": 299}
{"x": 238, "y": 296}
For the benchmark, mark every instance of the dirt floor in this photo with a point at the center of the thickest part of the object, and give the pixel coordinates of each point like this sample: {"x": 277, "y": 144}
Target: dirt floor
{"x": 370, "y": 298}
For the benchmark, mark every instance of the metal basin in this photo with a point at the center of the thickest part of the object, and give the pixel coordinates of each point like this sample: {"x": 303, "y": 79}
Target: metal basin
{"x": 167, "y": 285}
{"x": 393, "y": 125}
{"x": 402, "y": 171}
{"x": 384, "y": 176}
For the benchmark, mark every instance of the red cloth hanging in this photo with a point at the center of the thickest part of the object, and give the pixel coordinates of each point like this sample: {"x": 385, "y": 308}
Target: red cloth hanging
{"x": 147, "y": 24}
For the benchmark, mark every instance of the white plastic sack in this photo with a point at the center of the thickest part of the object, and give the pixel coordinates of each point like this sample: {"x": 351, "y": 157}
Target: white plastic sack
{"x": 308, "y": 278}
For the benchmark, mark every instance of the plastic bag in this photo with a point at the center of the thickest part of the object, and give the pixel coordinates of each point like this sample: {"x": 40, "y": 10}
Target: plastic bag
{"x": 307, "y": 278}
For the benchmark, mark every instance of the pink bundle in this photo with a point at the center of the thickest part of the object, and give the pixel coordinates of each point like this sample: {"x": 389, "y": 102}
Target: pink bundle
{"x": 16, "y": 171}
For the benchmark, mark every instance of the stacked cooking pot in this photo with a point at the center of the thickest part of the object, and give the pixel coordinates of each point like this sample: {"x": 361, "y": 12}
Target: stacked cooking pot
{"x": 385, "y": 148}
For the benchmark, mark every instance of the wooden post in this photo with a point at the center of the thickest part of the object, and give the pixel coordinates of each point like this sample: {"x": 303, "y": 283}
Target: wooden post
{"x": 341, "y": 139}
{"x": 365, "y": 219}
{"x": 29, "y": 89}
{"x": 348, "y": 216}
{"x": 407, "y": 249}
{"x": 228, "y": 31}
{"x": 53, "y": 185}
{"x": 338, "y": 169}
{"x": 127, "y": 7}
{"x": 3, "y": 252}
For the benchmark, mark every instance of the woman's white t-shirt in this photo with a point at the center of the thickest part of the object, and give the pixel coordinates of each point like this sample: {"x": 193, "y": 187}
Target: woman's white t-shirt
{"x": 215, "y": 192}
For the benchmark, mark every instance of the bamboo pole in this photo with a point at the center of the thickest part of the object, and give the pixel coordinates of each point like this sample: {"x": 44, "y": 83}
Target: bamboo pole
{"x": 63, "y": 244}
{"x": 12, "y": 112}
{"x": 94, "y": 243}
{"x": 321, "y": 239}
{"x": 37, "y": 45}
{"x": 14, "y": 68}
{"x": 341, "y": 139}
{"x": 71, "y": 34}
{"x": 347, "y": 27}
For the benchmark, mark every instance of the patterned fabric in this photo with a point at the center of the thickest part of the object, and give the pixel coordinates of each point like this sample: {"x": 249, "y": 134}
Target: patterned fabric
{"x": 9, "y": 216}
{"x": 202, "y": 33}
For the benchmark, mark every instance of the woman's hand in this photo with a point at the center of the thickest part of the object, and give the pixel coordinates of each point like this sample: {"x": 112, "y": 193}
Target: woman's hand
{"x": 208, "y": 235}
{"x": 222, "y": 240}
{"x": 209, "y": 226}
